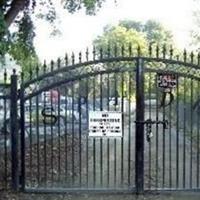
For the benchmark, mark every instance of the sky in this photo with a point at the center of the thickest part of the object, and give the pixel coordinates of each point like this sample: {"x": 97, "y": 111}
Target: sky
{"x": 78, "y": 30}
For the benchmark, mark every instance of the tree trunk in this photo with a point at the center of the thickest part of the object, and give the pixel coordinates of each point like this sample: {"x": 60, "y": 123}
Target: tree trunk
{"x": 15, "y": 7}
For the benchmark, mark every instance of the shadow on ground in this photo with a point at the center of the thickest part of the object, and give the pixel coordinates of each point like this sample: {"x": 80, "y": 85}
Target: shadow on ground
{"x": 8, "y": 195}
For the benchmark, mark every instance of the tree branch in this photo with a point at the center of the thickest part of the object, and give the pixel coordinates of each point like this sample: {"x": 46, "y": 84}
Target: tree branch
{"x": 15, "y": 7}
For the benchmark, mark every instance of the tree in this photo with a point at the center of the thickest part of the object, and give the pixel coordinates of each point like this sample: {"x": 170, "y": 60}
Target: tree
{"x": 133, "y": 33}
{"x": 154, "y": 31}
{"x": 11, "y": 8}
{"x": 120, "y": 36}
{"x": 118, "y": 39}
{"x": 21, "y": 48}
{"x": 19, "y": 14}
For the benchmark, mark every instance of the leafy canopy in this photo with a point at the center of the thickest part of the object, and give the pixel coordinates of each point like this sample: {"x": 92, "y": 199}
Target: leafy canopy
{"x": 18, "y": 13}
{"x": 135, "y": 33}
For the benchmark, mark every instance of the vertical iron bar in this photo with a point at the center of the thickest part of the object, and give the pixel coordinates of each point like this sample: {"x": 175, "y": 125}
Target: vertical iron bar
{"x": 66, "y": 133}
{"x": 170, "y": 146}
{"x": 129, "y": 130}
{"x": 198, "y": 86}
{"x": 30, "y": 135}
{"x": 59, "y": 143}
{"x": 115, "y": 140}
{"x": 5, "y": 131}
{"x": 122, "y": 139}
{"x": 108, "y": 140}
{"x": 157, "y": 139}
{"x": 14, "y": 132}
{"x": 139, "y": 162}
{"x": 163, "y": 149}
{"x": 150, "y": 139}
{"x": 87, "y": 147}
{"x": 73, "y": 152}
{"x": 45, "y": 145}
{"x": 101, "y": 140}
{"x": 52, "y": 134}
{"x": 79, "y": 111}
{"x": 177, "y": 135}
{"x": 52, "y": 146}
{"x": 38, "y": 140}
{"x": 22, "y": 128}
{"x": 94, "y": 140}
{"x": 191, "y": 134}
{"x": 184, "y": 132}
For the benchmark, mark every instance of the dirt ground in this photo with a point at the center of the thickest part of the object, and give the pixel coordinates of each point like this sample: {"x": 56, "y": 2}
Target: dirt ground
{"x": 8, "y": 195}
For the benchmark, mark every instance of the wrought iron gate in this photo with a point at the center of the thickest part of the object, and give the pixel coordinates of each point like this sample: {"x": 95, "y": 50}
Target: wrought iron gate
{"x": 58, "y": 152}
{"x": 157, "y": 94}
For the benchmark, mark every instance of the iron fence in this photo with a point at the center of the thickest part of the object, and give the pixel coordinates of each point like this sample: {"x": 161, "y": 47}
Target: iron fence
{"x": 157, "y": 95}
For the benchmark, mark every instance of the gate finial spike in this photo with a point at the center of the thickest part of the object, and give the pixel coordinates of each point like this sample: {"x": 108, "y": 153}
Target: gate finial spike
{"x": 150, "y": 49}
{"x": 14, "y": 71}
{"x": 101, "y": 53}
{"x": 80, "y": 57}
{"x": 66, "y": 60}
{"x": 139, "y": 50}
{"x": 94, "y": 52}
{"x": 44, "y": 67}
{"x": 192, "y": 57}
{"x": 198, "y": 58}
{"x": 22, "y": 76}
{"x": 30, "y": 72}
{"x": 108, "y": 50}
{"x": 130, "y": 49}
{"x": 58, "y": 62}
{"x": 122, "y": 50}
{"x": 171, "y": 51}
{"x": 87, "y": 54}
{"x": 115, "y": 50}
{"x": 157, "y": 51}
{"x": 73, "y": 58}
{"x": 37, "y": 70}
{"x": 52, "y": 65}
{"x": 5, "y": 75}
{"x": 184, "y": 55}
{"x": 164, "y": 50}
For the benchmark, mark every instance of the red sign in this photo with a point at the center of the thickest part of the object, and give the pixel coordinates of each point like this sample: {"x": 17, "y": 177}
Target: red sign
{"x": 166, "y": 80}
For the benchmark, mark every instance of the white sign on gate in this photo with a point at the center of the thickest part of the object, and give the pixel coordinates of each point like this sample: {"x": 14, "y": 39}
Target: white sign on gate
{"x": 105, "y": 123}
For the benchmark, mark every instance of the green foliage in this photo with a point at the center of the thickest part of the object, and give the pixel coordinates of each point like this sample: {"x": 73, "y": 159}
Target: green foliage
{"x": 21, "y": 48}
{"x": 3, "y": 36}
{"x": 154, "y": 31}
{"x": 20, "y": 44}
{"x": 120, "y": 36}
{"x": 136, "y": 34}
{"x": 91, "y": 6}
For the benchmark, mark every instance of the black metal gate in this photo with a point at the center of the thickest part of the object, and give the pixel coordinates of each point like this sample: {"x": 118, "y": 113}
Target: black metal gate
{"x": 59, "y": 155}
{"x": 158, "y": 97}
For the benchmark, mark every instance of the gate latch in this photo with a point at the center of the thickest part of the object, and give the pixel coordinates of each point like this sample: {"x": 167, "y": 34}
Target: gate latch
{"x": 149, "y": 123}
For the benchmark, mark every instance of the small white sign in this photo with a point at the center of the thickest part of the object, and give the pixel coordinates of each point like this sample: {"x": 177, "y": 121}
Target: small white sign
{"x": 105, "y": 123}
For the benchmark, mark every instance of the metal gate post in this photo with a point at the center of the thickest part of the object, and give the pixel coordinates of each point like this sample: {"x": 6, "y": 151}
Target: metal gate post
{"x": 22, "y": 138}
{"x": 14, "y": 132}
{"x": 139, "y": 141}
